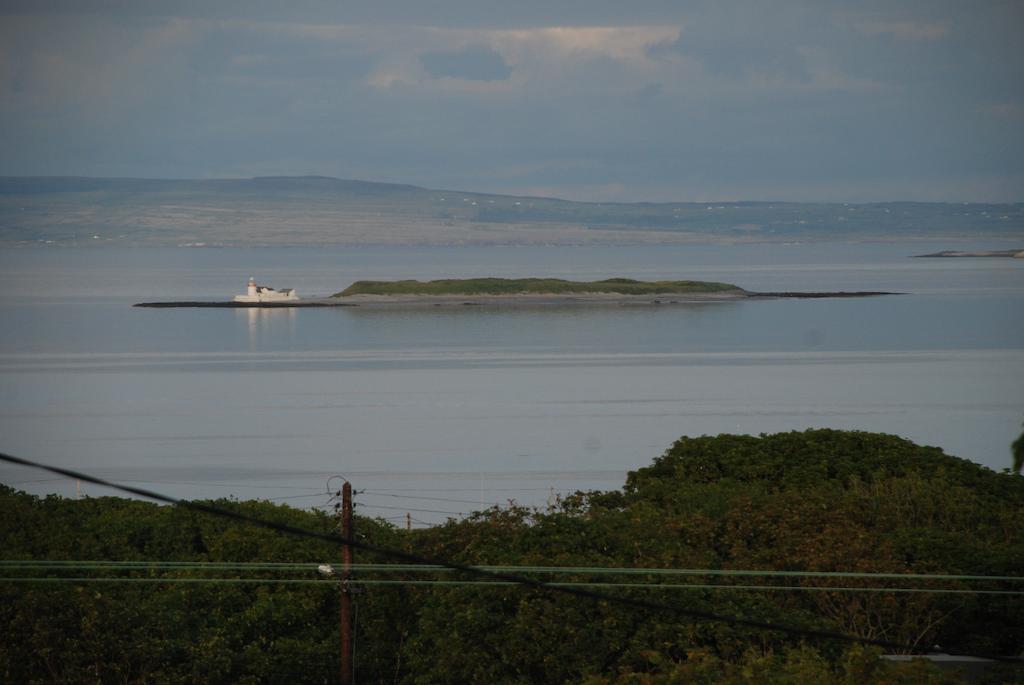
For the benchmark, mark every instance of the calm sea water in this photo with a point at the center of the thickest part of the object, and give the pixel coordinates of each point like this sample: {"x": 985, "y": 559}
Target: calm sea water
{"x": 439, "y": 411}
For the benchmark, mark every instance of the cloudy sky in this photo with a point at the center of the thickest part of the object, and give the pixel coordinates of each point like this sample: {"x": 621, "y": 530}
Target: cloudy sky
{"x": 594, "y": 100}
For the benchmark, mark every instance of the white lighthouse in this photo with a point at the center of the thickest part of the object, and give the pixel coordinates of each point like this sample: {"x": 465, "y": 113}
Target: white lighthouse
{"x": 262, "y": 293}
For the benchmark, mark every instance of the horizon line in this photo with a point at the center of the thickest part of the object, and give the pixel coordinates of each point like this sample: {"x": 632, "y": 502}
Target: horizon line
{"x": 411, "y": 186}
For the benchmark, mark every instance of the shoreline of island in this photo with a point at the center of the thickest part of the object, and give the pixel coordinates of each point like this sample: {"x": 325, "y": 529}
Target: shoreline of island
{"x": 507, "y": 292}
{"x": 945, "y": 254}
{"x": 518, "y": 300}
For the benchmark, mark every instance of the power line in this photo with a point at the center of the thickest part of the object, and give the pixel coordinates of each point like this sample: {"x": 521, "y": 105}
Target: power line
{"x": 204, "y": 483}
{"x": 222, "y": 484}
{"x": 576, "y": 570}
{"x": 508, "y": 489}
{"x": 58, "y": 565}
{"x": 100, "y": 579}
{"x": 142, "y": 565}
{"x": 377, "y": 493}
{"x": 601, "y": 570}
{"x": 702, "y": 586}
{"x": 246, "y": 486}
{"x": 315, "y": 494}
{"x": 424, "y": 511}
{"x": 515, "y": 579}
{"x": 506, "y": 583}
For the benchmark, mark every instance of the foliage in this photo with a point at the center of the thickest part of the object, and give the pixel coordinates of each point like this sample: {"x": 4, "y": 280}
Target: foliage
{"x": 541, "y": 286}
{"x": 812, "y": 501}
{"x": 1018, "y": 454}
{"x": 795, "y": 666}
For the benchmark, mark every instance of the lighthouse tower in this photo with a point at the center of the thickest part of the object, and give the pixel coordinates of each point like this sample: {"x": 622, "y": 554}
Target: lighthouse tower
{"x": 262, "y": 293}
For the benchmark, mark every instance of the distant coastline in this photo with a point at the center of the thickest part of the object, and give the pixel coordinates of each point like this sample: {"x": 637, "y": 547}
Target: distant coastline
{"x": 320, "y": 211}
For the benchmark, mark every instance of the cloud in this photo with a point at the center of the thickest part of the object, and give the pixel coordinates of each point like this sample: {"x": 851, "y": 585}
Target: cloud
{"x": 636, "y": 101}
{"x": 1006, "y": 110}
{"x": 736, "y": 56}
{"x": 823, "y": 73}
{"x": 649, "y": 93}
{"x": 626, "y": 43}
{"x": 87, "y": 62}
{"x": 906, "y": 30}
{"x": 474, "y": 63}
{"x": 494, "y": 60}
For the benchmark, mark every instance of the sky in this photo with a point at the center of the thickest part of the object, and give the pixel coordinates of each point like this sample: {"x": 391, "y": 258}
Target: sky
{"x": 602, "y": 100}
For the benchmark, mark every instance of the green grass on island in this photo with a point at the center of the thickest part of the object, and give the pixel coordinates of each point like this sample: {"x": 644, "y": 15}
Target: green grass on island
{"x": 533, "y": 286}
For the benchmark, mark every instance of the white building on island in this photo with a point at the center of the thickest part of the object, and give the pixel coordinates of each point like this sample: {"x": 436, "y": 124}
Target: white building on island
{"x": 261, "y": 293}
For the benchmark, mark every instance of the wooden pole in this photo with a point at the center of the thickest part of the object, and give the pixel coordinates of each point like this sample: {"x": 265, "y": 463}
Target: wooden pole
{"x": 346, "y": 595}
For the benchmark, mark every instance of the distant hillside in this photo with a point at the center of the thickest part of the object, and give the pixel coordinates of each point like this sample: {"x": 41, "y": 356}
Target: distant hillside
{"x": 313, "y": 210}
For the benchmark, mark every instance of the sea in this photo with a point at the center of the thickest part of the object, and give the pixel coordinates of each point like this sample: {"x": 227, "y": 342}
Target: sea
{"x": 434, "y": 413}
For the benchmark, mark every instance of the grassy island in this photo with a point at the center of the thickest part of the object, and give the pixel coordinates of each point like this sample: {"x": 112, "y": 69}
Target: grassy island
{"x": 533, "y": 286}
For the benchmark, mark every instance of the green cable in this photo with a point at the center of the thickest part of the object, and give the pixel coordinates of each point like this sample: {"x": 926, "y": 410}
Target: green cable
{"x": 583, "y": 570}
{"x": 213, "y": 565}
{"x": 486, "y": 583}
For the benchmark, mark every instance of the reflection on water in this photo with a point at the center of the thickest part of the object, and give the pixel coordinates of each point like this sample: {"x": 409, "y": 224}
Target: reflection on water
{"x": 478, "y": 405}
{"x": 262, "y": 323}
{"x": 435, "y": 419}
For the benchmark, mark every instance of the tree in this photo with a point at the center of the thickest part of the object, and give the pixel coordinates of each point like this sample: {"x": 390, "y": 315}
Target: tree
{"x": 1018, "y": 454}
{"x": 812, "y": 501}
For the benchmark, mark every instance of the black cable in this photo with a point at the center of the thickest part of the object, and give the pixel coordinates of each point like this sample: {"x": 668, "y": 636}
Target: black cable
{"x": 377, "y": 493}
{"x": 455, "y": 566}
{"x": 425, "y": 511}
{"x": 275, "y": 499}
{"x": 547, "y": 489}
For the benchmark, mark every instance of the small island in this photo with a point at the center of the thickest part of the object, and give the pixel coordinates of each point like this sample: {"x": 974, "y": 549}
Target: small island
{"x": 1015, "y": 254}
{"x": 509, "y": 292}
{"x": 533, "y": 286}
{"x": 558, "y": 291}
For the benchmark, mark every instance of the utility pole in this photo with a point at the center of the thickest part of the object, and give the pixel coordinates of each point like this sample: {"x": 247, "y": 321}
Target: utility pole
{"x": 408, "y": 522}
{"x": 346, "y": 594}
